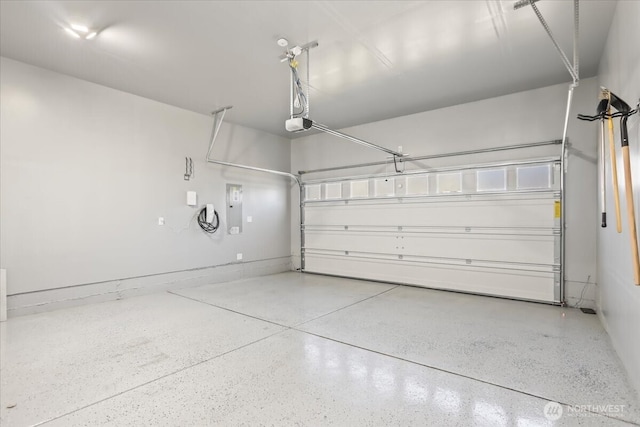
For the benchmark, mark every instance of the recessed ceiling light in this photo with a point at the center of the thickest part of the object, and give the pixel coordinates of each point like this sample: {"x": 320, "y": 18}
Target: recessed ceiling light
{"x": 80, "y": 28}
{"x": 72, "y": 33}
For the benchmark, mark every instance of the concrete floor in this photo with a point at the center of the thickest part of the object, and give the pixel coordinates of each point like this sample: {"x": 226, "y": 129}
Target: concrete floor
{"x": 295, "y": 349}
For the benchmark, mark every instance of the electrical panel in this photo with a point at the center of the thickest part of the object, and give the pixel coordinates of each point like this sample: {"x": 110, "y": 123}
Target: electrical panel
{"x": 234, "y": 208}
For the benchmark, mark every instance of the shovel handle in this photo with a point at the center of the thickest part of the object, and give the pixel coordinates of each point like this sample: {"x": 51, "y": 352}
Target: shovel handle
{"x": 614, "y": 175}
{"x": 631, "y": 215}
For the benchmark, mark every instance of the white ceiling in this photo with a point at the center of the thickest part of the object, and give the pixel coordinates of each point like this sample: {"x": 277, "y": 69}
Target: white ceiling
{"x": 375, "y": 60}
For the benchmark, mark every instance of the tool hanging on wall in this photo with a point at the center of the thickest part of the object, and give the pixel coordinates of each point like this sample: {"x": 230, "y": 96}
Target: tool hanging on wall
{"x": 602, "y": 108}
{"x": 624, "y": 112}
{"x": 614, "y": 165}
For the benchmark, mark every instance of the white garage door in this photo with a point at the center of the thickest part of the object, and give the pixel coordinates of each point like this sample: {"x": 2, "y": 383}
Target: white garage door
{"x": 490, "y": 229}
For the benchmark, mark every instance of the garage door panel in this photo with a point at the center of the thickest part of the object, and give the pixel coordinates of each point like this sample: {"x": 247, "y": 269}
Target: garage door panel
{"x": 471, "y": 213}
{"x": 529, "y": 285}
{"x": 519, "y": 248}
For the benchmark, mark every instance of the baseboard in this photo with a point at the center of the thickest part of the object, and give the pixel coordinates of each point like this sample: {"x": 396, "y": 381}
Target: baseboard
{"x": 54, "y": 299}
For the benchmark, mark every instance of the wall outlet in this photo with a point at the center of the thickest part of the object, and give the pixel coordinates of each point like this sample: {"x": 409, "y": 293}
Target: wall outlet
{"x": 249, "y": 219}
{"x": 234, "y": 230}
{"x": 160, "y": 220}
{"x": 239, "y": 257}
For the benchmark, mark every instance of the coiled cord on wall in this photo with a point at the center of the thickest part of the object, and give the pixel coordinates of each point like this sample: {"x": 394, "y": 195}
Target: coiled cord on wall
{"x": 208, "y": 227}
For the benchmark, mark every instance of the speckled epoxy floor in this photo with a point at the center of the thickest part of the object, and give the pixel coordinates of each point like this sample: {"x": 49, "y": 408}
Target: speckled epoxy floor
{"x": 294, "y": 349}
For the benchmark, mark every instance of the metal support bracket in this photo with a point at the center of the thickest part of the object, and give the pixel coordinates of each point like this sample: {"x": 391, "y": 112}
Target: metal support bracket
{"x": 218, "y": 117}
{"x": 572, "y": 68}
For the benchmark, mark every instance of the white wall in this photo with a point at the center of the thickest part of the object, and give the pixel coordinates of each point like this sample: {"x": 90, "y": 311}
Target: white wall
{"x": 531, "y": 116}
{"x": 86, "y": 172}
{"x": 618, "y": 298}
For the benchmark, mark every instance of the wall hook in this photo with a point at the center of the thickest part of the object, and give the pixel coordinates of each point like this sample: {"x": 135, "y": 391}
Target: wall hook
{"x": 188, "y": 168}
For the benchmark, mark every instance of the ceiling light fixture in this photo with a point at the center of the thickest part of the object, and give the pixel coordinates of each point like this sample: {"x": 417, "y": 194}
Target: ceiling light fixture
{"x": 72, "y": 33}
{"x": 80, "y": 28}
{"x": 282, "y": 42}
{"x": 80, "y": 31}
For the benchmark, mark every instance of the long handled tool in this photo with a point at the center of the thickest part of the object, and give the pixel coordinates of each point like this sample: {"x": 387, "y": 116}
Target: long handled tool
{"x": 602, "y": 108}
{"x": 624, "y": 108}
{"x": 614, "y": 171}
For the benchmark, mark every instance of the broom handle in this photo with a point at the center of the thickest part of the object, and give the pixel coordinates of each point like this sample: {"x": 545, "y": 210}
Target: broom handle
{"x": 614, "y": 174}
{"x": 624, "y": 139}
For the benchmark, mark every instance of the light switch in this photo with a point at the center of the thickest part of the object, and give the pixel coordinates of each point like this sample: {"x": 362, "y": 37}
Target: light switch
{"x": 160, "y": 220}
{"x": 239, "y": 257}
{"x": 249, "y": 219}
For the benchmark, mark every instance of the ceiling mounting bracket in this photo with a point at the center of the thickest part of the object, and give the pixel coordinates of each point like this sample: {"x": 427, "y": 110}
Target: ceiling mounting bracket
{"x": 217, "y": 122}
{"x": 298, "y": 49}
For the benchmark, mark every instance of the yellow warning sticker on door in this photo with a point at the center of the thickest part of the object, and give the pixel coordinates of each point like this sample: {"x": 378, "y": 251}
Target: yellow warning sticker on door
{"x": 557, "y": 209}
